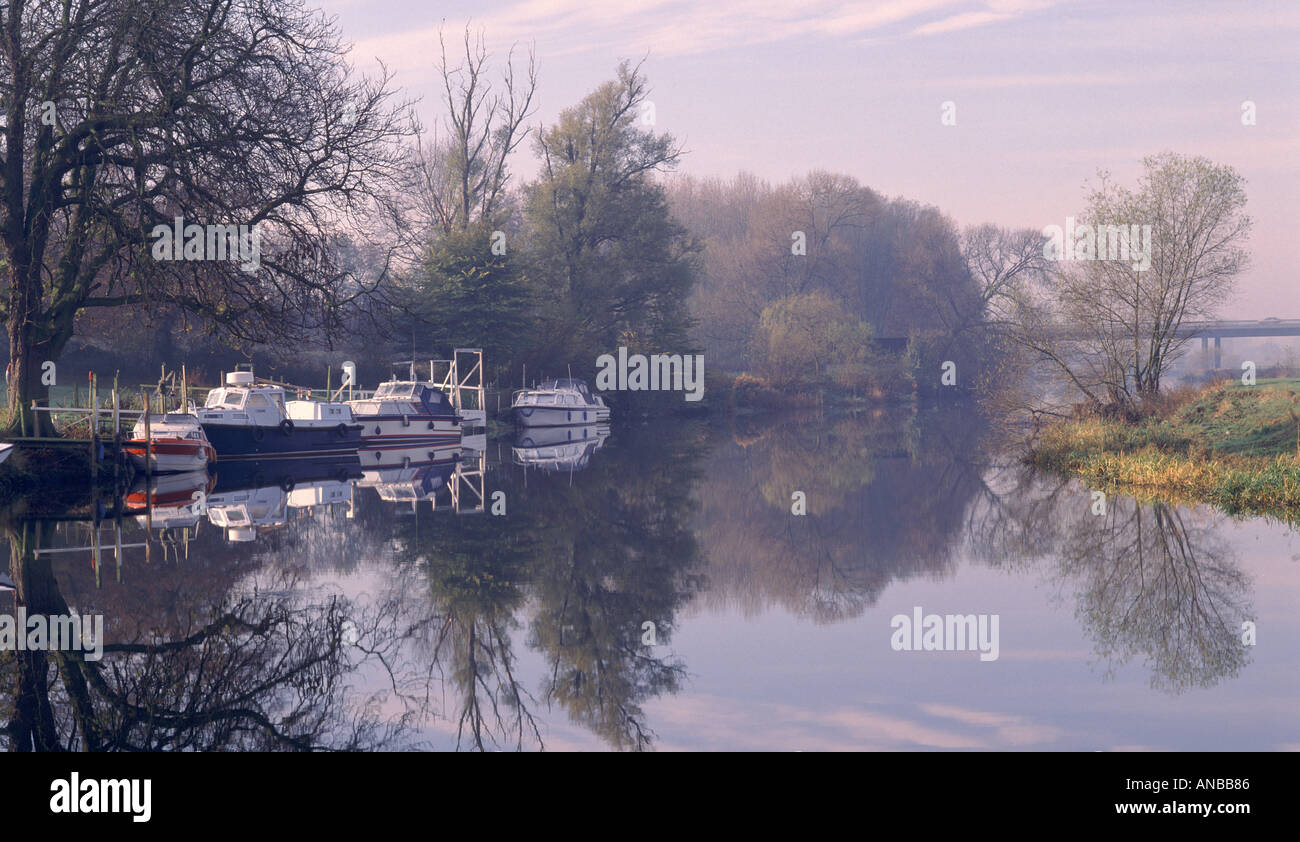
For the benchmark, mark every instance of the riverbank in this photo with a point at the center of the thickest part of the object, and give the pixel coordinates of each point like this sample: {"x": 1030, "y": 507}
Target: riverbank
{"x": 1234, "y": 446}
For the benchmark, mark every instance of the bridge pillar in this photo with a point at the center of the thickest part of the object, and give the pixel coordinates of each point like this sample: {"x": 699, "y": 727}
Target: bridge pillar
{"x": 1205, "y": 352}
{"x": 1218, "y": 355}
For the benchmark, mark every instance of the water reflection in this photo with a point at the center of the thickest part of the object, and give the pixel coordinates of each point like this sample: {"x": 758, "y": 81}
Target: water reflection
{"x": 558, "y": 448}
{"x": 197, "y": 664}
{"x": 307, "y": 606}
{"x": 1150, "y": 580}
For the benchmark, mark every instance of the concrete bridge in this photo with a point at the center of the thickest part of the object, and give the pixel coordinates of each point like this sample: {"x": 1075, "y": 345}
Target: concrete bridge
{"x": 1216, "y": 330}
{"x": 1241, "y": 328}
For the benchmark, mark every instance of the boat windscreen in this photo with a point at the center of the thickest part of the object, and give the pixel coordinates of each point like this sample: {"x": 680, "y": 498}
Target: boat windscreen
{"x": 567, "y": 383}
{"x": 232, "y": 398}
{"x": 396, "y": 390}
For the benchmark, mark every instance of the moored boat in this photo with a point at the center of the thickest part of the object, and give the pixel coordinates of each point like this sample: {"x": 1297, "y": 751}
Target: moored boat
{"x": 249, "y": 420}
{"x": 175, "y": 443}
{"x": 558, "y": 403}
{"x": 401, "y": 415}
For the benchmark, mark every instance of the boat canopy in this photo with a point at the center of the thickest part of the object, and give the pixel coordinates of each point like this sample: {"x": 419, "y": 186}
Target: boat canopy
{"x": 580, "y": 386}
{"x": 435, "y": 400}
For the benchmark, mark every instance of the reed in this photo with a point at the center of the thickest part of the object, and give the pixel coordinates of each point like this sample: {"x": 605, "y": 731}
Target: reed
{"x": 1237, "y": 447}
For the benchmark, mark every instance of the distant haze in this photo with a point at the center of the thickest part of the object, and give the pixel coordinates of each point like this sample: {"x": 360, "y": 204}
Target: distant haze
{"x": 1045, "y": 94}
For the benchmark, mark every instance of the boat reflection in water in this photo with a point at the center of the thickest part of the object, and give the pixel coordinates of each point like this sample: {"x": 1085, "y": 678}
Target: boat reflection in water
{"x": 253, "y": 496}
{"x": 167, "y": 501}
{"x": 414, "y": 474}
{"x": 559, "y": 448}
{"x": 242, "y": 512}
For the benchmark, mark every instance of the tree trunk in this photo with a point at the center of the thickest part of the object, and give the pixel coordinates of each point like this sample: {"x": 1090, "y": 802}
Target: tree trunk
{"x": 26, "y": 356}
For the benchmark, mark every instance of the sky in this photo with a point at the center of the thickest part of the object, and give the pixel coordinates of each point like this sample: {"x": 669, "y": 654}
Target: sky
{"x": 1045, "y": 94}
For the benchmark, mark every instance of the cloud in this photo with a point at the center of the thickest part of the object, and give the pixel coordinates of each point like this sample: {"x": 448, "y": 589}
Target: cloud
{"x": 679, "y": 27}
{"x": 716, "y": 722}
{"x": 966, "y": 20}
{"x": 1008, "y": 728}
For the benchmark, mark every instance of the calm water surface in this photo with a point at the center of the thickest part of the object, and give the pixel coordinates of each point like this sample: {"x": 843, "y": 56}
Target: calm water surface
{"x": 390, "y": 609}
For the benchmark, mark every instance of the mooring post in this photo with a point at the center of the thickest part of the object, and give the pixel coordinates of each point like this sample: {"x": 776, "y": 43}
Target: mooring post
{"x": 117, "y": 431}
{"x": 148, "y": 478}
{"x": 94, "y": 429}
{"x": 148, "y": 438}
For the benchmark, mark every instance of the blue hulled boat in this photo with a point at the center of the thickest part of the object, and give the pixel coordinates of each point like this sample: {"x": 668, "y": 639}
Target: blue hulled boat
{"x": 248, "y": 420}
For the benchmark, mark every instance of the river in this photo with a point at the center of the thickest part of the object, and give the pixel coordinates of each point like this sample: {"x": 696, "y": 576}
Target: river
{"x": 673, "y": 585}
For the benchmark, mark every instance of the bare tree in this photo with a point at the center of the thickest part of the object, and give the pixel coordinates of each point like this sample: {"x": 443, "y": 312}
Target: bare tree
{"x": 1002, "y": 261}
{"x": 123, "y": 116}
{"x": 462, "y": 168}
{"x": 1112, "y": 325}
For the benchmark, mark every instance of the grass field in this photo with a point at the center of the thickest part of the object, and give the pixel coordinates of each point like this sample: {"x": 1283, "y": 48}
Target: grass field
{"x": 1235, "y": 446}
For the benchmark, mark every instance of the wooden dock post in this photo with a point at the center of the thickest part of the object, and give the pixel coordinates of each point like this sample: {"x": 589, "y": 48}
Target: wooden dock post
{"x": 117, "y": 431}
{"x": 148, "y": 477}
{"x": 94, "y": 428}
{"x": 148, "y": 438}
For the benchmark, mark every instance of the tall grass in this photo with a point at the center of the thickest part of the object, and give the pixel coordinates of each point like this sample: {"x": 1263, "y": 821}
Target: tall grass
{"x": 1235, "y": 446}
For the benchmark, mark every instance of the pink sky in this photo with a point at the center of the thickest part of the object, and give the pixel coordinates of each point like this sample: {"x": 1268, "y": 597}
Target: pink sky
{"x": 1046, "y": 92}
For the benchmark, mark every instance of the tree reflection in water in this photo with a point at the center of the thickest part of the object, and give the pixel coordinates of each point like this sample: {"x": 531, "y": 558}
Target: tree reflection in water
{"x": 244, "y": 647}
{"x": 246, "y": 670}
{"x": 1149, "y": 579}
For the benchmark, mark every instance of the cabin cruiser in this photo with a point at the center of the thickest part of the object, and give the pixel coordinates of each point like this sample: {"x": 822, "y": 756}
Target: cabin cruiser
{"x": 403, "y": 422}
{"x": 248, "y": 420}
{"x": 559, "y": 448}
{"x": 557, "y": 403}
{"x": 175, "y": 443}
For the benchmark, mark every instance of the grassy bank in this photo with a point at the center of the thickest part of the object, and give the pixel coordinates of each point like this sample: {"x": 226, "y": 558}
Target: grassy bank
{"x": 1234, "y": 446}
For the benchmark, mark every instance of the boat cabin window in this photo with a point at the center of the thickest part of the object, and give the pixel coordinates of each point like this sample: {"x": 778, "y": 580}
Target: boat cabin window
{"x": 258, "y": 402}
{"x": 218, "y": 398}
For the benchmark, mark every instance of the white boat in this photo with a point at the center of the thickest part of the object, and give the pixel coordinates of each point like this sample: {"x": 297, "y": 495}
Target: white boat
{"x": 6, "y": 450}
{"x": 559, "y": 403}
{"x": 404, "y": 420}
{"x": 175, "y": 444}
